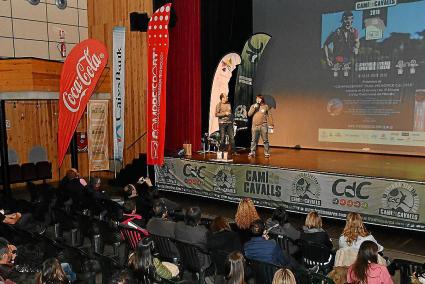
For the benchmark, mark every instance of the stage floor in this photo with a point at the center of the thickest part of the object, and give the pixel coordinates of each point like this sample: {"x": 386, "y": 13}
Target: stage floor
{"x": 408, "y": 168}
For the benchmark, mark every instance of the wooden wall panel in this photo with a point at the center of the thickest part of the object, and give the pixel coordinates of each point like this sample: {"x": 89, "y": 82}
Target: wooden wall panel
{"x": 102, "y": 17}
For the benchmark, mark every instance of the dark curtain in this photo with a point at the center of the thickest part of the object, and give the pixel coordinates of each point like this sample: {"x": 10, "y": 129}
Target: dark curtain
{"x": 225, "y": 27}
{"x": 183, "y": 124}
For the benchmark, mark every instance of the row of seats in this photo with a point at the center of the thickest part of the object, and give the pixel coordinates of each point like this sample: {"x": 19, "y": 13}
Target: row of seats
{"x": 28, "y": 172}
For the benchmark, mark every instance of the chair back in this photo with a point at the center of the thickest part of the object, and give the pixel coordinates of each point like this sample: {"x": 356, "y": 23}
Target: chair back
{"x": 164, "y": 247}
{"x": 132, "y": 236}
{"x": 193, "y": 259}
{"x": 407, "y": 268}
{"x": 264, "y": 271}
{"x": 219, "y": 258}
{"x": 284, "y": 242}
{"x": 314, "y": 254}
{"x": 108, "y": 266}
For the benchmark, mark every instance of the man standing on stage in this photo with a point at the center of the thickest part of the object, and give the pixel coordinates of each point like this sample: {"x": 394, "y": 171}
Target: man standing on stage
{"x": 262, "y": 120}
{"x": 223, "y": 111}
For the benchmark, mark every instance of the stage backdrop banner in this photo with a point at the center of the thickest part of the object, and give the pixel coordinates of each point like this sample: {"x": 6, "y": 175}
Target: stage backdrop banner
{"x": 244, "y": 94}
{"x": 118, "y": 91}
{"x": 157, "y": 84}
{"x": 80, "y": 73}
{"x": 98, "y": 135}
{"x": 380, "y": 201}
{"x": 220, "y": 85}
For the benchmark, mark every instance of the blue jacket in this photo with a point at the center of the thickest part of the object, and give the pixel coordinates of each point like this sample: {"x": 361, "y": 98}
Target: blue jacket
{"x": 264, "y": 250}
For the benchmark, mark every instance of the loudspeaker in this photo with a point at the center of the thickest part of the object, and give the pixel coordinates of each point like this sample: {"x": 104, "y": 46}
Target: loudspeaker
{"x": 139, "y": 22}
{"x": 297, "y": 147}
{"x": 173, "y": 18}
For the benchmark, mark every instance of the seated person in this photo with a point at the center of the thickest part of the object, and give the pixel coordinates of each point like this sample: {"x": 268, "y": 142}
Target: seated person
{"x": 132, "y": 219}
{"x": 145, "y": 266}
{"x": 313, "y": 232}
{"x": 222, "y": 241}
{"x": 8, "y": 270}
{"x": 191, "y": 232}
{"x": 73, "y": 187}
{"x": 53, "y": 272}
{"x": 355, "y": 233}
{"x": 95, "y": 190}
{"x": 278, "y": 224}
{"x": 261, "y": 249}
{"x": 22, "y": 221}
{"x": 366, "y": 268}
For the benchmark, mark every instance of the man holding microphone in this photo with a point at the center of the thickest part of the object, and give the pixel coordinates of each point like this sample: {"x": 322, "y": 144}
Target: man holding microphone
{"x": 262, "y": 120}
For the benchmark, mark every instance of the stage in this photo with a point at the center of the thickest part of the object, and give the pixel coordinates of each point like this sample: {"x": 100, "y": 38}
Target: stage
{"x": 388, "y": 190}
{"x": 397, "y": 167}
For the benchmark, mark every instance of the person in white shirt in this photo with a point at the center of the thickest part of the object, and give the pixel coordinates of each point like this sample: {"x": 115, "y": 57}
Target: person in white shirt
{"x": 355, "y": 233}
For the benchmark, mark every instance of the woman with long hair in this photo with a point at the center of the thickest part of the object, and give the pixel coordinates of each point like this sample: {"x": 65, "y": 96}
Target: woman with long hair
{"x": 51, "y": 273}
{"x": 236, "y": 264}
{"x": 145, "y": 266}
{"x": 366, "y": 269}
{"x": 313, "y": 231}
{"x": 355, "y": 233}
{"x": 284, "y": 276}
{"x": 246, "y": 214}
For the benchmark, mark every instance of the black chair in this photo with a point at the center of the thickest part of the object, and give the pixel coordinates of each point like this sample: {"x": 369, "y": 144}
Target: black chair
{"x": 15, "y": 174}
{"x": 108, "y": 265}
{"x": 406, "y": 268}
{"x": 106, "y": 234}
{"x": 284, "y": 242}
{"x": 219, "y": 258}
{"x": 314, "y": 254}
{"x": 304, "y": 276}
{"x": 132, "y": 236}
{"x": 44, "y": 170}
{"x": 164, "y": 247}
{"x": 263, "y": 271}
{"x": 29, "y": 172}
{"x": 194, "y": 260}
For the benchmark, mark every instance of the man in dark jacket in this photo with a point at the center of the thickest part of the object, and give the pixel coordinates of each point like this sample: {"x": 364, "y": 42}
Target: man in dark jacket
{"x": 258, "y": 248}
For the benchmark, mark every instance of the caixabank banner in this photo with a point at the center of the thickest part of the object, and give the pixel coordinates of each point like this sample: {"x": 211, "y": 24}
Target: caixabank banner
{"x": 380, "y": 201}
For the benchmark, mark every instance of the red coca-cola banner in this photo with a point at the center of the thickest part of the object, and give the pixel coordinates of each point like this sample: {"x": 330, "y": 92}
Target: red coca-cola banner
{"x": 80, "y": 73}
{"x": 157, "y": 78}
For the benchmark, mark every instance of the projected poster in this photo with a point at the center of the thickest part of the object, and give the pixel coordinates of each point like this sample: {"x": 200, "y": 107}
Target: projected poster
{"x": 349, "y": 74}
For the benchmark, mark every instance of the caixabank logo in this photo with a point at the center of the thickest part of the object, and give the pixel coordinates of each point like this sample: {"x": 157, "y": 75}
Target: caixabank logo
{"x": 224, "y": 180}
{"x": 194, "y": 174}
{"x": 306, "y": 190}
{"x": 166, "y": 173}
{"x": 350, "y": 193}
{"x": 400, "y": 200}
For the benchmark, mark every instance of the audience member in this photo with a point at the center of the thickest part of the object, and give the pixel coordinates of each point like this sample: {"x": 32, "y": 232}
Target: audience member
{"x": 132, "y": 219}
{"x": 245, "y": 215}
{"x": 236, "y": 265}
{"x": 313, "y": 232}
{"x": 124, "y": 276}
{"x": 191, "y": 232}
{"x": 23, "y": 221}
{"x": 161, "y": 226}
{"x": 95, "y": 189}
{"x": 52, "y": 272}
{"x": 366, "y": 269}
{"x": 284, "y": 276}
{"x": 278, "y": 224}
{"x": 73, "y": 187}
{"x": 355, "y": 233}
{"x": 258, "y": 248}
{"x": 146, "y": 267}
{"x": 8, "y": 270}
{"x": 221, "y": 241}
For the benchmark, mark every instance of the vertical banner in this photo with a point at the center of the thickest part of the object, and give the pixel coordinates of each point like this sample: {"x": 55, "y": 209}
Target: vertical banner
{"x": 220, "y": 85}
{"x": 118, "y": 91}
{"x": 98, "y": 135}
{"x": 80, "y": 74}
{"x": 244, "y": 96}
{"x": 157, "y": 83}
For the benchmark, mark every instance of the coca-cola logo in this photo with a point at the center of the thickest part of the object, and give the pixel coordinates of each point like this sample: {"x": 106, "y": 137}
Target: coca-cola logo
{"x": 86, "y": 69}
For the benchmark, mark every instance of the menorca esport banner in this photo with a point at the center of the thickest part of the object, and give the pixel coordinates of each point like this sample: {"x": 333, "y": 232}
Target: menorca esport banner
{"x": 157, "y": 78}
